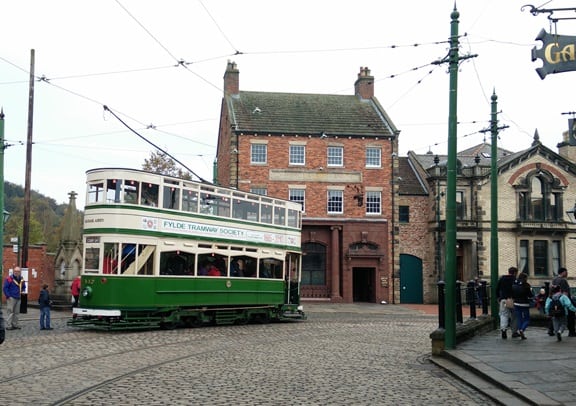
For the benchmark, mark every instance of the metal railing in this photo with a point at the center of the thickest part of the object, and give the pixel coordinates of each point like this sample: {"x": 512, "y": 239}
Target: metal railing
{"x": 469, "y": 294}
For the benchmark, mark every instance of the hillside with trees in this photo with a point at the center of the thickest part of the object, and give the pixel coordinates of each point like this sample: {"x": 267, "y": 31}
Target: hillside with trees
{"x": 45, "y": 217}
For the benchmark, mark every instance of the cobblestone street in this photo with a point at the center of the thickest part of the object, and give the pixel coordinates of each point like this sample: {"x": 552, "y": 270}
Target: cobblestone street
{"x": 342, "y": 355}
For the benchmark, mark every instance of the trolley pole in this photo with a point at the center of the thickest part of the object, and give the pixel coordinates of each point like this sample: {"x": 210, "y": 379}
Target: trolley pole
{"x": 453, "y": 60}
{"x": 494, "y": 269}
{"x": 450, "y": 273}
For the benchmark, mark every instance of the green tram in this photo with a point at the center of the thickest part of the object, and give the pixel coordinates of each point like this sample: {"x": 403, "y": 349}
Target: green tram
{"x": 164, "y": 252}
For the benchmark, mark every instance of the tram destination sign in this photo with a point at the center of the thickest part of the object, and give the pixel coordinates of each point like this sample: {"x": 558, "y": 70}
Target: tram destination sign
{"x": 558, "y": 53}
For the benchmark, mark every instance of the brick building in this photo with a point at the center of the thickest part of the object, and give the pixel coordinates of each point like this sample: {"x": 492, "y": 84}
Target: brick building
{"x": 337, "y": 155}
{"x": 40, "y": 268}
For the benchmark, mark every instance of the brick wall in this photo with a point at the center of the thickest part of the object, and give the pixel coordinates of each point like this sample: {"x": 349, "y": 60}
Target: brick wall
{"x": 40, "y": 269}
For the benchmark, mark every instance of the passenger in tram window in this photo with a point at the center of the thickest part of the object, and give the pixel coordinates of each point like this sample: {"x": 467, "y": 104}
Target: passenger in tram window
{"x": 203, "y": 269}
{"x": 237, "y": 267}
{"x": 249, "y": 268}
{"x": 265, "y": 272}
{"x": 213, "y": 270}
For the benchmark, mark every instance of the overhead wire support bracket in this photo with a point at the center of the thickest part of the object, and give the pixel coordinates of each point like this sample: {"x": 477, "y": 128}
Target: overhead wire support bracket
{"x": 550, "y": 11}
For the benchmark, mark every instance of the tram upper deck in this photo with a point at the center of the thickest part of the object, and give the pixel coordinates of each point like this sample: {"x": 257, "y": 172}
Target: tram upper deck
{"x": 109, "y": 186}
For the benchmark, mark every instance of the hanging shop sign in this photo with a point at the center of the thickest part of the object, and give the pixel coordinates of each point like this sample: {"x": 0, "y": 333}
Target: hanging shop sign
{"x": 558, "y": 53}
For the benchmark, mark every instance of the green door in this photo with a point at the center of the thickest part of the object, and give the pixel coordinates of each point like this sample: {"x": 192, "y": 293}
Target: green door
{"x": 410, "y": 279}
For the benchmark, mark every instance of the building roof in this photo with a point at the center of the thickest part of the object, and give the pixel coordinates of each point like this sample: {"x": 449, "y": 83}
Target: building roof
{"x": 409, "y": 183}
{"x": 481, "y": 152}
{"x": 304, "y": 114}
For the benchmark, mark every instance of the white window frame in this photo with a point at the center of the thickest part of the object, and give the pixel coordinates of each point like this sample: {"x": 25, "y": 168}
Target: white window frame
{"x": 298, "y": 195}
{"x": 335, "y": 156}
{"x": 334, "y": 194}
{"x": 373, "y": 202}
{"x": 297, "y": 154}
{"x": 373, "y": 157}
{"x": 257, "y": 156}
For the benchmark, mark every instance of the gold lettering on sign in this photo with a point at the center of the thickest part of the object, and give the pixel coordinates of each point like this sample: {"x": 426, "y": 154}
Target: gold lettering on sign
{"x": 553, "y": 55}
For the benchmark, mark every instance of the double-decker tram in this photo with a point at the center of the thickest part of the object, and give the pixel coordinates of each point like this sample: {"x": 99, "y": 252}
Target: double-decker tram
{"x": 163, "y": 252}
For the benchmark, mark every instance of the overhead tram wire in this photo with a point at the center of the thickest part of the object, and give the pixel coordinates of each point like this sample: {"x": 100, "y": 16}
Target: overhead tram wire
{"x": 154, "y": 145}
{"x": 179, "y": 62}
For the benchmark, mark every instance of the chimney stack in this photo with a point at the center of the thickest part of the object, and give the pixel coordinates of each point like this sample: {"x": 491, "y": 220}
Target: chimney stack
{"x": 231, "y": 79}
{"x": 364, "y": 86}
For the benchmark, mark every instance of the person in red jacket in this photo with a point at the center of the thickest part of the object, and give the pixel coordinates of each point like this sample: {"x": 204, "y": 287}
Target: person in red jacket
{"x": 75, "y": 288}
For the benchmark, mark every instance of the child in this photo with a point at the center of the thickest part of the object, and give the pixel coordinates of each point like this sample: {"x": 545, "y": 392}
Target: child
{"x": 559, "y": 320}
{"x": 541, "y": 300}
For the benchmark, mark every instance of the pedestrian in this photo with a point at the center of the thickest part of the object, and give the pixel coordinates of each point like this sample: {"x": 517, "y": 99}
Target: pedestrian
{"x": 45, "y": 305}
{"x": 504, "y": 293}
{"x": 75, "y": 289}
{"x": 13, "y": 287}
{"x": 522, "y": 294}
{"x": 561, "y": 281}
{"x": 558, "y": 300}
{"x": 541, "y": 300}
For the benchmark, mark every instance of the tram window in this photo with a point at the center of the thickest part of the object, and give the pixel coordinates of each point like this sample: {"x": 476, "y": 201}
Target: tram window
{"x": 266, "y": 213}
{"x": 91, "y": 259}
{"x": 131, "y": 191}
{"x": 128, "y": 256}
{"x": 250, "y": 265}
{"x": 177, "y": 263}
{"x": 270, "y": 268}
{"x": 150, "y": 194}
{"x": 96, "y": 192}
{"x": 110, "y": 264}
{"x": 171, "y": 198}
{"x": 279, "y": 216}
{"x": 240, "y": 209}
{"x": 293, "y": 218}
{"x": 292, "y": 267}
{"x": 238, "y": 267}
{"x": 113, "y": 188}
{"x": 206, "y": 203}
{"x": 190, "y": 201}
{"x": 224, "y": 207}
{"x": 212, "y": 265}
{"x": 146, "y": 259}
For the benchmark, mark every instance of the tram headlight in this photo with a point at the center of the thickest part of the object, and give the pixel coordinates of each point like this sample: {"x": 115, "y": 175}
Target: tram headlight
{"x": 86, "y": 292}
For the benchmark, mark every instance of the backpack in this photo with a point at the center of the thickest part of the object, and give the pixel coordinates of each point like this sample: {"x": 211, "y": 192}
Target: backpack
{"x": 556, "y": 307}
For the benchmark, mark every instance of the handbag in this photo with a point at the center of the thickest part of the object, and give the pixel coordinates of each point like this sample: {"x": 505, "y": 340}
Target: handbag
{"x": 509, "y": 303}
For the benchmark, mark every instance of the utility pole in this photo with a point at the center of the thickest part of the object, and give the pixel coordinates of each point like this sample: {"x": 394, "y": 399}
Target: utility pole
{"x": 2, "y": 191}
{"x": 26, "y": 225}
{"x": 494, "y": 265}
{"x": 453, "y": 60}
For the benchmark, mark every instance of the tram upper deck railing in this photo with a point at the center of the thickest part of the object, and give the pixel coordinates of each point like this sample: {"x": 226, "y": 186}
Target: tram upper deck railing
{"x": 136, "y": 187}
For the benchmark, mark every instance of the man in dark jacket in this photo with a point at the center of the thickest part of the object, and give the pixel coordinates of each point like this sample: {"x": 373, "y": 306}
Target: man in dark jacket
{"x": 45, "y": 304}
{"x": 504, "y": 291}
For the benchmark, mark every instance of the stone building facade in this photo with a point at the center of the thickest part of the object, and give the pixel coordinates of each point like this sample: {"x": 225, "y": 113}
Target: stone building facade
{"x": 535, "y": 188}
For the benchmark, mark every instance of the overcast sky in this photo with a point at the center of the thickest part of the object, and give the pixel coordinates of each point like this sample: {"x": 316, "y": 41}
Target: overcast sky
{"x": 159, "y": 66}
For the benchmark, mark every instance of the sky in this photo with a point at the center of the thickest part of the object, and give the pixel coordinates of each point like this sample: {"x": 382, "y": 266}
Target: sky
{"x": 159, "y": 66}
